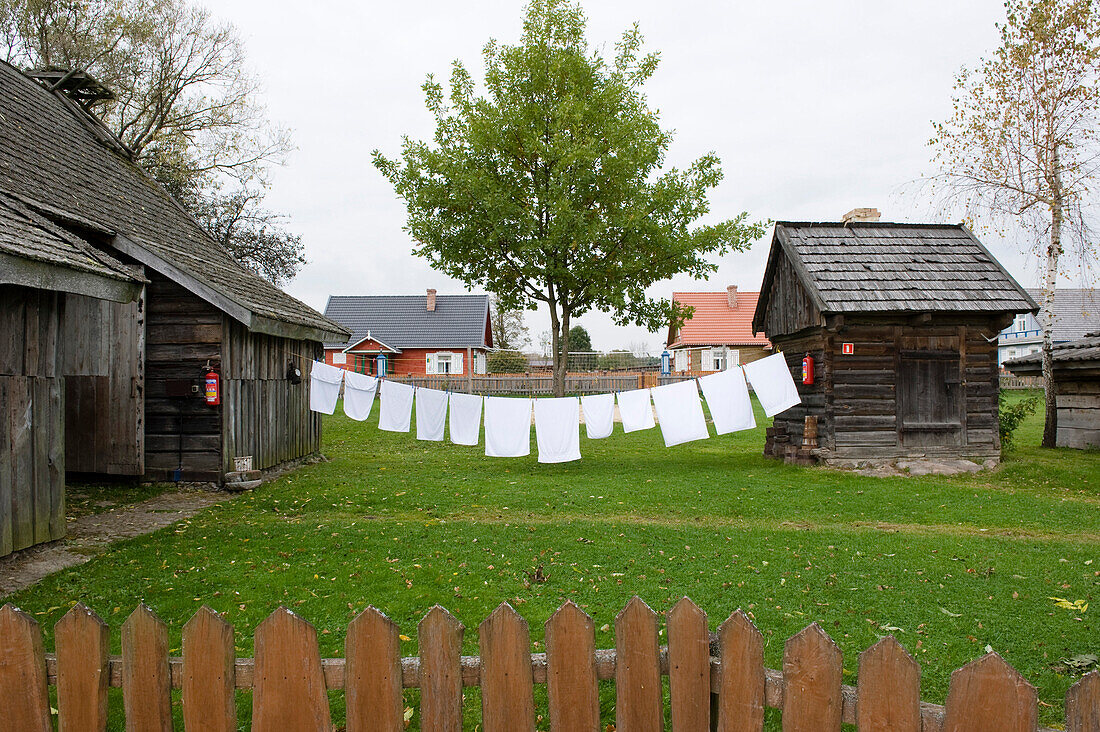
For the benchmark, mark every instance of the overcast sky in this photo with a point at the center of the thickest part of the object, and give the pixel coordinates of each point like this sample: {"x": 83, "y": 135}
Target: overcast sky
{"x": 814, "y": 108}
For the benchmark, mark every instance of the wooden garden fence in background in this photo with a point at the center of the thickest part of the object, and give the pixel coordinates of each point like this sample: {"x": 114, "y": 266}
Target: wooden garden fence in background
{"x": 714, "y": 683}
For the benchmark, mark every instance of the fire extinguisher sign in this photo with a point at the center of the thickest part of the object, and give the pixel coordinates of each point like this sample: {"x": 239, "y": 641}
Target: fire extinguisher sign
{"x": 848, "y": 349}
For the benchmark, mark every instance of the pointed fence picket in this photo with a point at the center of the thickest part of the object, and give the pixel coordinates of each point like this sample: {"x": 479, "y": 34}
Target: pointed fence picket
{"x": 714, "y": 683}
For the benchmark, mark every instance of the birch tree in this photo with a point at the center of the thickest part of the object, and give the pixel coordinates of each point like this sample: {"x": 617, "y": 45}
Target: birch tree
{"x": 1021, "y": 144}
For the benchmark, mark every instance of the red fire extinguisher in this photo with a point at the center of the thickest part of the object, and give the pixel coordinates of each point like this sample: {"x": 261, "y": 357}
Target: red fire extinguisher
{"x": 808, "y": 369}
{"x": 212, "y": 390}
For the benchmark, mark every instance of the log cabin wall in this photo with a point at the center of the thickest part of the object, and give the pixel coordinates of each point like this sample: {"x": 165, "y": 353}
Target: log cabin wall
{"x": 183, "y": 332}
{"x": 265, "y": 414}
{"x": 103, "y": 346}
{"x": 32, "y": 426}
{"x": 907, "y": 390}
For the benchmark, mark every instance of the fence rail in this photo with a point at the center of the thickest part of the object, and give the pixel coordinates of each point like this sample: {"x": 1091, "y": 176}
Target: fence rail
{"x": 525, "y": 384}
{"x": 716, "y": 680}
{"x": 1021, "y": 382}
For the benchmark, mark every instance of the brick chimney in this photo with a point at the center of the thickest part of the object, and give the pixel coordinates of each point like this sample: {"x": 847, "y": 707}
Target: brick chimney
{"x": 731, "y": 296}
{"x": 431, "y": 300}
{"x": 861, "y": 214}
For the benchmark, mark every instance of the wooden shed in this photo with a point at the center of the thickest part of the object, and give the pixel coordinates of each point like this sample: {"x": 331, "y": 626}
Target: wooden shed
{"x": 1077, "y": 383}
{"x": 42, "y": 266}
{"x": 133, "y": 370}
{"x": 901, "y": 321}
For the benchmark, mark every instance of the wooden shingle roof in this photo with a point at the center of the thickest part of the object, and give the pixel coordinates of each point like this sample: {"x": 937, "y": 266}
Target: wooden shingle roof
{"x": 1083, "y": 353}
{"x": 878, "y": 267}
{"x": 63, "y": 163}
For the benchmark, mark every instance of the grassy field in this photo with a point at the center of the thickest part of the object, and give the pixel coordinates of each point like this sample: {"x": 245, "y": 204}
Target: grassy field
{"x": 950, "y": 564}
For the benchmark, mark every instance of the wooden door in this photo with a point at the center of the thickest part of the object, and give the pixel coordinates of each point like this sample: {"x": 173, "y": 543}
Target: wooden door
{"x": 930, "y": 399}
{"x": 103, "y": 359}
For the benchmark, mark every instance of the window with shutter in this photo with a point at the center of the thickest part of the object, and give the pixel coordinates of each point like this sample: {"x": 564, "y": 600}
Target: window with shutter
{"x": 456, "y": 363}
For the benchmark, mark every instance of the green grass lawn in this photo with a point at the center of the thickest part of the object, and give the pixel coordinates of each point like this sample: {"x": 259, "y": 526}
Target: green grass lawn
{"x": 953, "y": 564}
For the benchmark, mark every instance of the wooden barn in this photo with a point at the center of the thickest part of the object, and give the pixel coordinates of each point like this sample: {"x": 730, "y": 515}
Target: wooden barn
{"x": 901, "y": 321}
{"x": 1077, "y": 382}
{"x": 133, "y": 371}
{"x": 41, "y": 267}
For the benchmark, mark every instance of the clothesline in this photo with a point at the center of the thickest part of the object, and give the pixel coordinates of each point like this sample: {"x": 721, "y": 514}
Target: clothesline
{"x": 557, "y": 420}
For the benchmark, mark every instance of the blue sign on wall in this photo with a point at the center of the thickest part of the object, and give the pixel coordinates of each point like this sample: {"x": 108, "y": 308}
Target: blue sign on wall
{"x": 666, "y": 363}
{"x": 380, "y": 364}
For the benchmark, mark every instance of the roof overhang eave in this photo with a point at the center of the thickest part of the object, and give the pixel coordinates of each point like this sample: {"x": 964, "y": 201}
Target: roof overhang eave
{"x": 15, "y": 270}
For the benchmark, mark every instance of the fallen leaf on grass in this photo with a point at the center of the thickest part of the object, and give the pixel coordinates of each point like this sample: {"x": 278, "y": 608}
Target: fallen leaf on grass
{"x": 1079, "y": 605}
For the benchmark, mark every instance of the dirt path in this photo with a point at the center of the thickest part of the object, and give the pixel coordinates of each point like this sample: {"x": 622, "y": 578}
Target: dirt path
{"x": 87, "y": 535}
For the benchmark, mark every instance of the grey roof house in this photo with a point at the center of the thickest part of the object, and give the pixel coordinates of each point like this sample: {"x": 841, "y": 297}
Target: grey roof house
{"x": 1076, "y": 313}
{"x": 74, "y": 203}
{"x": 418, "y": 334}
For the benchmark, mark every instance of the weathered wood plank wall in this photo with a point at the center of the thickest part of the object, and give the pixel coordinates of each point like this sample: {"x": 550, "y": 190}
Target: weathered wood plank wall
{"x": 182, "y": 333}
{"x": 32, "y": 427}
{"x": 265, "y": 414}
{"x": 1078, "y": 409}
{"x": 103, "y": 346}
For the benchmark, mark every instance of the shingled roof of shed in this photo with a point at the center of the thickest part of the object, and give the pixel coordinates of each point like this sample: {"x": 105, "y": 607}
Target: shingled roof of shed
{"x": 404, "y": 321}
{"x": 878, "y": 267}
{"x": 27, "y": 235}
{"x": 1081, "y": 353}
{"x": 65, "y": 164}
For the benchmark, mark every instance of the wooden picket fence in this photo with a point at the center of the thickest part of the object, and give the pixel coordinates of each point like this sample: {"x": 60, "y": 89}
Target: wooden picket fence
{"x": 714, "y": 682}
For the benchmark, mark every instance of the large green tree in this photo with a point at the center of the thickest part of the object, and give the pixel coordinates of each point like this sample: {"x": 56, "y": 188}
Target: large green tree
{"x": 550, "y": 188}
{"x": 1023, "y": 143}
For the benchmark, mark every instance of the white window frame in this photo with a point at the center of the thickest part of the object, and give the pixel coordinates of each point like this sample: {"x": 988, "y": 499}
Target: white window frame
{"x": 718, "y": 359}
{"x": 1020, "y": 323}
{"x": 444, "y": 363}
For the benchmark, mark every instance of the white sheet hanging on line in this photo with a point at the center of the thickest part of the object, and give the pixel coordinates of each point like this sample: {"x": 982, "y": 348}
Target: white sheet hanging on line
{"x": 728, "y": 400}
{"x": 635, "y": 410}
{"x": 395, "y": 413}
{"x": 431, "y": 414}
{"x": 680, "y": 413}
{"x": 359, "y": 391}
{"x": 599, "y": 415}
{"x": 558, "y": 429}
{"x": 771, "y": 380}
{"x": 464, "y": 420}
{"x": 507, "y": 427}
{"x": 324, "y": 387}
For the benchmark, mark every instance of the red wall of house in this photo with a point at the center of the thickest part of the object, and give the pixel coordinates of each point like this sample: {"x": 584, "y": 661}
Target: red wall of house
{"x": 410, "y": 362}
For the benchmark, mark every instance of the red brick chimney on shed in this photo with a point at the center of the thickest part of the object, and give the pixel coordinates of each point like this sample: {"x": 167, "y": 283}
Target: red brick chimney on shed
{"x": 431, "y": 300}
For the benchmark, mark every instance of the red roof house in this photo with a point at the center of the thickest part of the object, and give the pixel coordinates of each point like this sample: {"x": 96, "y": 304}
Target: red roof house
{"x": 719, "y": 334}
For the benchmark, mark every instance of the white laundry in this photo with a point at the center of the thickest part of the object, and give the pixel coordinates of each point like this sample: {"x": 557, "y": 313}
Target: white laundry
{"x": 728, "y": 400}
{"x": 634, "y": 410}
{"x": 395, "y": 414}
{"x": 558, "y": 429}
{"x": 599, "y": 415}
{"x": 680, "y": 413}
{"x": 464, "y": 420}
{"x": 359, "y": 391}
{"x": 507, "y": 427}
{"x": 324, "y": 387}
{"x": 431, "y": 414}
{"x": 771, "y": 380}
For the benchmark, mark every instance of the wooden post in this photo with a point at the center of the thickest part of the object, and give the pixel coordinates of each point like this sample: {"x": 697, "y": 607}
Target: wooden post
{"x": 809, "y": 433}
{"x": 469, "y": 370}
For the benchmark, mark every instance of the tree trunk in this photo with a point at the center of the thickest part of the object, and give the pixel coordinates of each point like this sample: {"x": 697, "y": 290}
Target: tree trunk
{"x": 561, "y": 355}
{"x": 1050, "y": 428}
